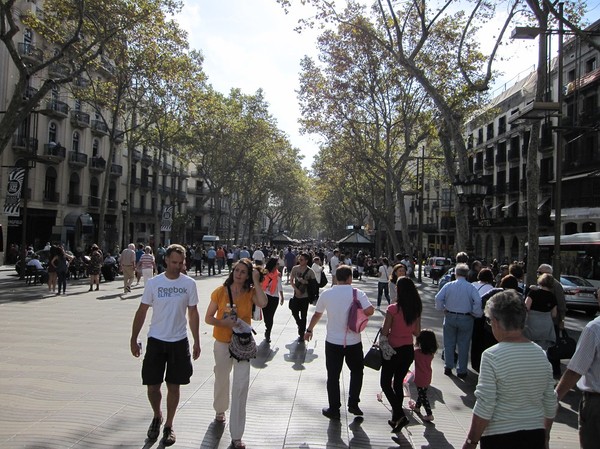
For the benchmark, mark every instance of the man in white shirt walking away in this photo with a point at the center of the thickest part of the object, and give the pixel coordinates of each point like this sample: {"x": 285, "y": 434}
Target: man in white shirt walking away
{"x": 341, "y": 343}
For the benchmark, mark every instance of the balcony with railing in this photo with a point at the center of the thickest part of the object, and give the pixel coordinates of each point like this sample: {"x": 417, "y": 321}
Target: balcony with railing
{"x": 25, "y": 146}
{"x": 147, "y": 160}
{"x": 77, "y": 159}
{"x": 80, "y": 119}
{"x": 112, "y": 204}
{"x": 136, "y": 155}
{"x": 97, "y": 164}
{"x": 55, "y": 108}
{"x": 29, "y": 93}
{"x": 55, "y": 152}
{"x": 57, "y": 70}
{"x": 74, "y": 199}
{"x": 146, "y": 184}
{"x": 99, "y": 128}
{"x": 51, "y": 197}
{"x": 119, "y": 135}
{"x": 93, "y": 202}
{"x": 106, "y": 66}
{"x": 116, "y": 170}
{"x": 30, "y": 52}
{"x": 81, "y": 82}
{"x": 182, "y": 196}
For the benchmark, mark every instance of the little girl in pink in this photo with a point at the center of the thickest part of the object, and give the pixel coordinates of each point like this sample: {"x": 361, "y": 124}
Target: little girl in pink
{"x": 426, "y": 346}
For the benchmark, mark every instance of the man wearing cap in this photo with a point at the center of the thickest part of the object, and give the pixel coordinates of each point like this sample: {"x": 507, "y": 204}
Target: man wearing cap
{"x": 461, "y": 303}
{"x": 561, "y": 310}
{"x": 584, "y": 370}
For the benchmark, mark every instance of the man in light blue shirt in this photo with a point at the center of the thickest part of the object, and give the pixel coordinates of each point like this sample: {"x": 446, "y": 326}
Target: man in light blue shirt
{"x": 211, "y": 257}
{"x": 461, "y": 303}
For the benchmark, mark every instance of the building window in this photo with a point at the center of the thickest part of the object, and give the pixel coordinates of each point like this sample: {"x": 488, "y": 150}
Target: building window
{"x": 571, "y": 76}
{"x": 590, "y": 65}
{"x": 75, "y": 145}
{"x": 52, "y": 132}
{"x": 50, "y": 185}
{"x": 502, "y": 125}
{"x": 95, "y": 148}
{"x": 490, "y": 131}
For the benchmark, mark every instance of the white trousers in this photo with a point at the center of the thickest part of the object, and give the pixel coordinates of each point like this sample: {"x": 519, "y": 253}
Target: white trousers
{"x": 147, "y": 273}
{"x": 239, "y": 388}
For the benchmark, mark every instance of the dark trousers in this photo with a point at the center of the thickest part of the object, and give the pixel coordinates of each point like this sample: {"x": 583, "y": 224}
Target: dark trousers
{"x": 299, "y": 313}
{"x": 211, "y": 264}
{"x": 522, "y": 439}
{"x": 383, "y": 288}
{"x": 62, "y": 281}
{"x": 334, "y": 360}
{"x": 268, "y": 314}
{"x": 589, "y": 420}
{"x": 556, "y": 371}
{"x": 392, "y": 378}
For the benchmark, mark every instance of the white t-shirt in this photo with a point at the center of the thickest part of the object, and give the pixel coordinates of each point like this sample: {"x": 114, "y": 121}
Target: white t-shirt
{"x": 258, "y": 255}
{"x": 169, "y": 299}
{"x": 334, "y": 262}
{"x": 318, "y": 269}
{"x": 336, "y": 301}
{"x": 384, "y": 275}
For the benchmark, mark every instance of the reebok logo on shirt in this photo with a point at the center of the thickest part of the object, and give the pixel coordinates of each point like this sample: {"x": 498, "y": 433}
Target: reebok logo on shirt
{"x": 170, "y": 291}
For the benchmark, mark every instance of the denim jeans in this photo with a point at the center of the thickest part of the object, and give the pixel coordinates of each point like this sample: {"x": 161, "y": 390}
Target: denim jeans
{"x": 383, "y": 287}
{"x": 334, "y": 360}
{"x": 458, "y": 330}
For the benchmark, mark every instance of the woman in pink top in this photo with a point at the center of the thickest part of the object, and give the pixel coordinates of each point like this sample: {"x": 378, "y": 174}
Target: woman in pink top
{"x": 402, "y": 322}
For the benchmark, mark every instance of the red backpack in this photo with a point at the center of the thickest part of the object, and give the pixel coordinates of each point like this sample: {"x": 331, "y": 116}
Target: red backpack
{"x": 357, "y": 319}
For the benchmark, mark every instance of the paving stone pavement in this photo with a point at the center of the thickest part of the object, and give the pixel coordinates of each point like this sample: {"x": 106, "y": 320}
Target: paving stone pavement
{"x": 68, "y": 380}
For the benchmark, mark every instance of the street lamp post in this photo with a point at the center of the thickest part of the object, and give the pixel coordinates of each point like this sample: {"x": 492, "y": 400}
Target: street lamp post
{"x": 472, "y": 191}
{"x": 545, "y": 110}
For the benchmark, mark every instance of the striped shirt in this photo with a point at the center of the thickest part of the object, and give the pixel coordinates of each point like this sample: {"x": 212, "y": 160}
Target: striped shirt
{"x": 515, "y": 389}
{"x": 586, "y": 360}
{"x": 146, "y": 261}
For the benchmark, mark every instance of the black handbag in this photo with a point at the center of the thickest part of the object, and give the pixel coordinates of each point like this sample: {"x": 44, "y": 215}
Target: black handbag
{"x": 373, "y": 357}
{"x": 564, "y": 348}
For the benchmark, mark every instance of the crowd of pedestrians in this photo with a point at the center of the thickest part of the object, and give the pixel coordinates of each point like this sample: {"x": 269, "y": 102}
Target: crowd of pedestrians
{"x": 504, "y": 326}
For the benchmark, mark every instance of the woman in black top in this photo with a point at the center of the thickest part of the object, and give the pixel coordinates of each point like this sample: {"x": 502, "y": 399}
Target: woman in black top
{"x": 541, "y": 306}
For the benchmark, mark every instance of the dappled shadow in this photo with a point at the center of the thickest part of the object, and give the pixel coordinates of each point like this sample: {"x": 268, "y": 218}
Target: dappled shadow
{"x": 213, "y": 435}
{"x": 299, "y": 354}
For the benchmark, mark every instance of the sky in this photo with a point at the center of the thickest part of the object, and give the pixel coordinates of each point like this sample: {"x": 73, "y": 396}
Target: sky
{"x": 251, "y": 44}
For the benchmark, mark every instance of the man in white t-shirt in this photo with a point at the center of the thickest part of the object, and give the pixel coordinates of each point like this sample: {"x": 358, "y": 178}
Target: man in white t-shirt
{"x": 333, "y": 264}
{"x": 341, "y": 343}
{"x": 258, "y": 257}
{"x": 170, "y": 295}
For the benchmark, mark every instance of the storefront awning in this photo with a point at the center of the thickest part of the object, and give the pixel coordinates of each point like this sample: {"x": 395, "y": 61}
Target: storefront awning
{"x": 71, "y": 219}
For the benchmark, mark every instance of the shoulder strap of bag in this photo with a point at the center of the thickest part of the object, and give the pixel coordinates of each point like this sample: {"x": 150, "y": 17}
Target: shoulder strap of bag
{"x": 377, "y": 336}
{"x": 230, "y": 296}
{"x": 304, "y": 274}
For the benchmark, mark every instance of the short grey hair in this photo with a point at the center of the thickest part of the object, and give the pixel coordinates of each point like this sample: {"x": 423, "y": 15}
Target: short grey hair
{"x": 462, "y": 269}
{"x": 508, "y": 309}
{"x": 545, "y": 268}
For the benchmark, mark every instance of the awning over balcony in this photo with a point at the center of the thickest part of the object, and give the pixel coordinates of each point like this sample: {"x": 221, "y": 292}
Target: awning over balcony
{"x": 508, "y": 206}
{"x": 542, "y": 203}
{"x": 86, "y": 220}
{"x": 586, "y": 79}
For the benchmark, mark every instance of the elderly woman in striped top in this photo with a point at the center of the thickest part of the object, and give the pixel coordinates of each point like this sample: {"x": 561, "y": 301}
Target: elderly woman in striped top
{"x": 516, "y": 402}
{"x": 147, "y": 264}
